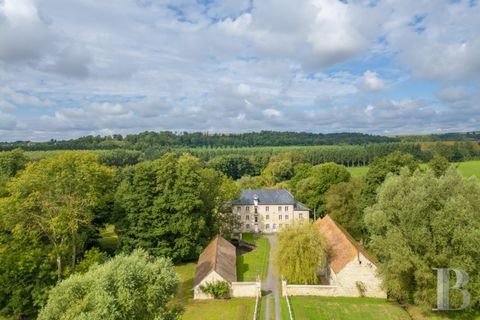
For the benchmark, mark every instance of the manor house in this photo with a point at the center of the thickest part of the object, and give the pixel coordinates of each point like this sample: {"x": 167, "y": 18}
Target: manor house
{"x": 268, "y": 210}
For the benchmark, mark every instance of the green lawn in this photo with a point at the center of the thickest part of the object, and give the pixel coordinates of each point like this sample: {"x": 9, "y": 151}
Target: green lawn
{"x": 467, "y": 169}
{"x": 237, "y": 308}
{"x": 357, "y": 171}
{"x": 109, "y": 239}
{"x": 336, "y": 308}
{"x": 255, "y": 262}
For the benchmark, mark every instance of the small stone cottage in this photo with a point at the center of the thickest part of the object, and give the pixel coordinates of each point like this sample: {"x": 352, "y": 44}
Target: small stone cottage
{"x": 350, "y": 268}
{"x": 217, "y": 262}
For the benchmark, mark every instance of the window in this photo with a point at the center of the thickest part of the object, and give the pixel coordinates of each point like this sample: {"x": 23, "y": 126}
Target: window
{"x": 256, "y": 210}
{"x": 279, "y": 209}
{"x": 274, "y": 226}
{"x": 286, "y": 208}
{"x": 267, "y": 217}
{"x": 300, "y": 216}
{"x": 239, "y": 209}
{"x": 247, "y": 209}
{"x": 247, "y": 226}
{"x": 247, "y": 217}
{"x": 267, "y": 226}
{"x": 286, "y": 217}
{"x": 267, "y": 208}
{"x": 256, "y": 219}
{"x": 279, "y": 217}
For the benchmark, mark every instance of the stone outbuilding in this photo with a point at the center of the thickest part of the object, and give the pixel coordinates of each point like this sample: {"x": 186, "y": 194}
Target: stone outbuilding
{"x": 217, "y": 262}
{"x": 349, "y": 265}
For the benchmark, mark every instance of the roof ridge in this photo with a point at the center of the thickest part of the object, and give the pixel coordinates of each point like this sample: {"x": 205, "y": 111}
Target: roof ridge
{"x": 358, "y": 246}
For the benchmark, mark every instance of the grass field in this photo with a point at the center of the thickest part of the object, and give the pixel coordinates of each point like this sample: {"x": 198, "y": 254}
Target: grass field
{"x": 467, "y": 169}
{"x": 330, "y": 308}
{"x": 209, "y": 309}
{"x": 255, "y": 262}
{"x": 109, "y": 239}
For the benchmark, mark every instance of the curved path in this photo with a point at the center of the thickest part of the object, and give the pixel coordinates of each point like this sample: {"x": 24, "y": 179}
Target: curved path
{"x": 271, "y": 284}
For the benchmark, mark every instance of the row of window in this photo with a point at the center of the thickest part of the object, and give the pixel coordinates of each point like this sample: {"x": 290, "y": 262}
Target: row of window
{"x": 267, "y": 208}
{"x": 267, "y": 226}
{"x": 267, "y": 217}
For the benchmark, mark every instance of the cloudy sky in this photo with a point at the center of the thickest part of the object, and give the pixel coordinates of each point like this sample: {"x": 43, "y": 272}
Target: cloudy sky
{"x": 75, "y": 67}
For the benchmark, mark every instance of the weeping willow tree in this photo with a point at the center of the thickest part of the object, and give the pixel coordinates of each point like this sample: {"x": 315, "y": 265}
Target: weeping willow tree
{"x": 301, "y": 252}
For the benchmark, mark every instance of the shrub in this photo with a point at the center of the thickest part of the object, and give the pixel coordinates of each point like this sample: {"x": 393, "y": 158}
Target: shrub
{"x": 217, "y": 289}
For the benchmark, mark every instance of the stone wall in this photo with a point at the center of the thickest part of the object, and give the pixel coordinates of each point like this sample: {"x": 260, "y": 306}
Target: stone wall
{"x": 237, "y": 289}
{"x": 245, "y": 289}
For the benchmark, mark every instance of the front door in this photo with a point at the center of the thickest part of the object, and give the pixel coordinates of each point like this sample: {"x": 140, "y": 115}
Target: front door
{"x": 256, "y": 227}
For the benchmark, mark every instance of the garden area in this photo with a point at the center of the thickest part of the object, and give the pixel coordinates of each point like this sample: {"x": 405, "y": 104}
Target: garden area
{"x": 254, "y": 263}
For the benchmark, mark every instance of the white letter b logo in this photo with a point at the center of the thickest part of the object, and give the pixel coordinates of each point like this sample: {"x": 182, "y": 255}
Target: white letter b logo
{"x": 443, "y": 283}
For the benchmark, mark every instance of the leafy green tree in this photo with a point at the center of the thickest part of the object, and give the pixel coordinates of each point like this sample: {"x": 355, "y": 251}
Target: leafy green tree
{"x": 53, "y": 198}
{"x": 343, "y": 202}
{"x": 10, "y": 163}
{"x": 249, "y": 182}
{"x": 233, "y": 166}
{"x": 422, "y": 222}
{"x": 169, "y": 206}
{"x": 312, "y": 190}
{"x": 277, "y": 171}
{"x": 27, "y": 272}
{"x": 381, "y": 167}
{"x": 301, "y": 251}
{"x": 439, "y": 165}
{"x": 301, "y": 171}
{"x": 131, "y": 287}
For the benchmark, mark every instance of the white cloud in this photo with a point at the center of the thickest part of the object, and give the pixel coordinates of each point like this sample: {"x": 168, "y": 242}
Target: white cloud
{"x": 372, "y": 82}
{"x": 7, "y": 121}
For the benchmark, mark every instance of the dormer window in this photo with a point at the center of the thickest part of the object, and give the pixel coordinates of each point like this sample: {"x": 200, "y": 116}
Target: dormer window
{"x": 255, "y": 200}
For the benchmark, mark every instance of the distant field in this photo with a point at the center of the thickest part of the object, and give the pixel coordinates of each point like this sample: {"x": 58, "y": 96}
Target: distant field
{"x": 470, "y": 168}
{"x": 255, "y": 262}
{"x": 357, "y": 171}
{"x": 237, "y": 308}
{"x": 467, "y": 169}
{"x": 330, "y": 308}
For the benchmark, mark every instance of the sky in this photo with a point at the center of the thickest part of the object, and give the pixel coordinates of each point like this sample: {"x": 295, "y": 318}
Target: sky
{"x": 79, "y": 67}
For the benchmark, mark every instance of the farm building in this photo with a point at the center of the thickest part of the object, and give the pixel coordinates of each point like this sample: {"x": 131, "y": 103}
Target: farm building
{"x": 217, "y": 262}
{"x": 350, "y": 268}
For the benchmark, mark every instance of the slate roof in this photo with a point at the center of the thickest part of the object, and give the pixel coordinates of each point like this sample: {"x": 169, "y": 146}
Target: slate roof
{"x": 219, "y": 256}
{"x": 343, "y": 248}
{"x": 267, "y": 196}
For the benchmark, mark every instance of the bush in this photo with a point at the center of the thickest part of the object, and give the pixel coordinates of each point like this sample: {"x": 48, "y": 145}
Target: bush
{"x": 217, "y": 289}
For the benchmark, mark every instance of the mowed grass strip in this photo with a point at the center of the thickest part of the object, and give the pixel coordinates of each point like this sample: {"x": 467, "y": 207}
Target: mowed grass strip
{"x": 339, "y": 308}
{"x": 255, "y": 262}
{"x": 235, "y": 309}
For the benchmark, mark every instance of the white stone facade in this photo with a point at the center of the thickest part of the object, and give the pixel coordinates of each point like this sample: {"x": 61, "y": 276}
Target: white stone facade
{"x": 268, "y": 218}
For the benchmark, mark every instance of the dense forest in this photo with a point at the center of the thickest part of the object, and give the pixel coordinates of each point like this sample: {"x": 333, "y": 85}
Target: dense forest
{"x": 149, "y": 139}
